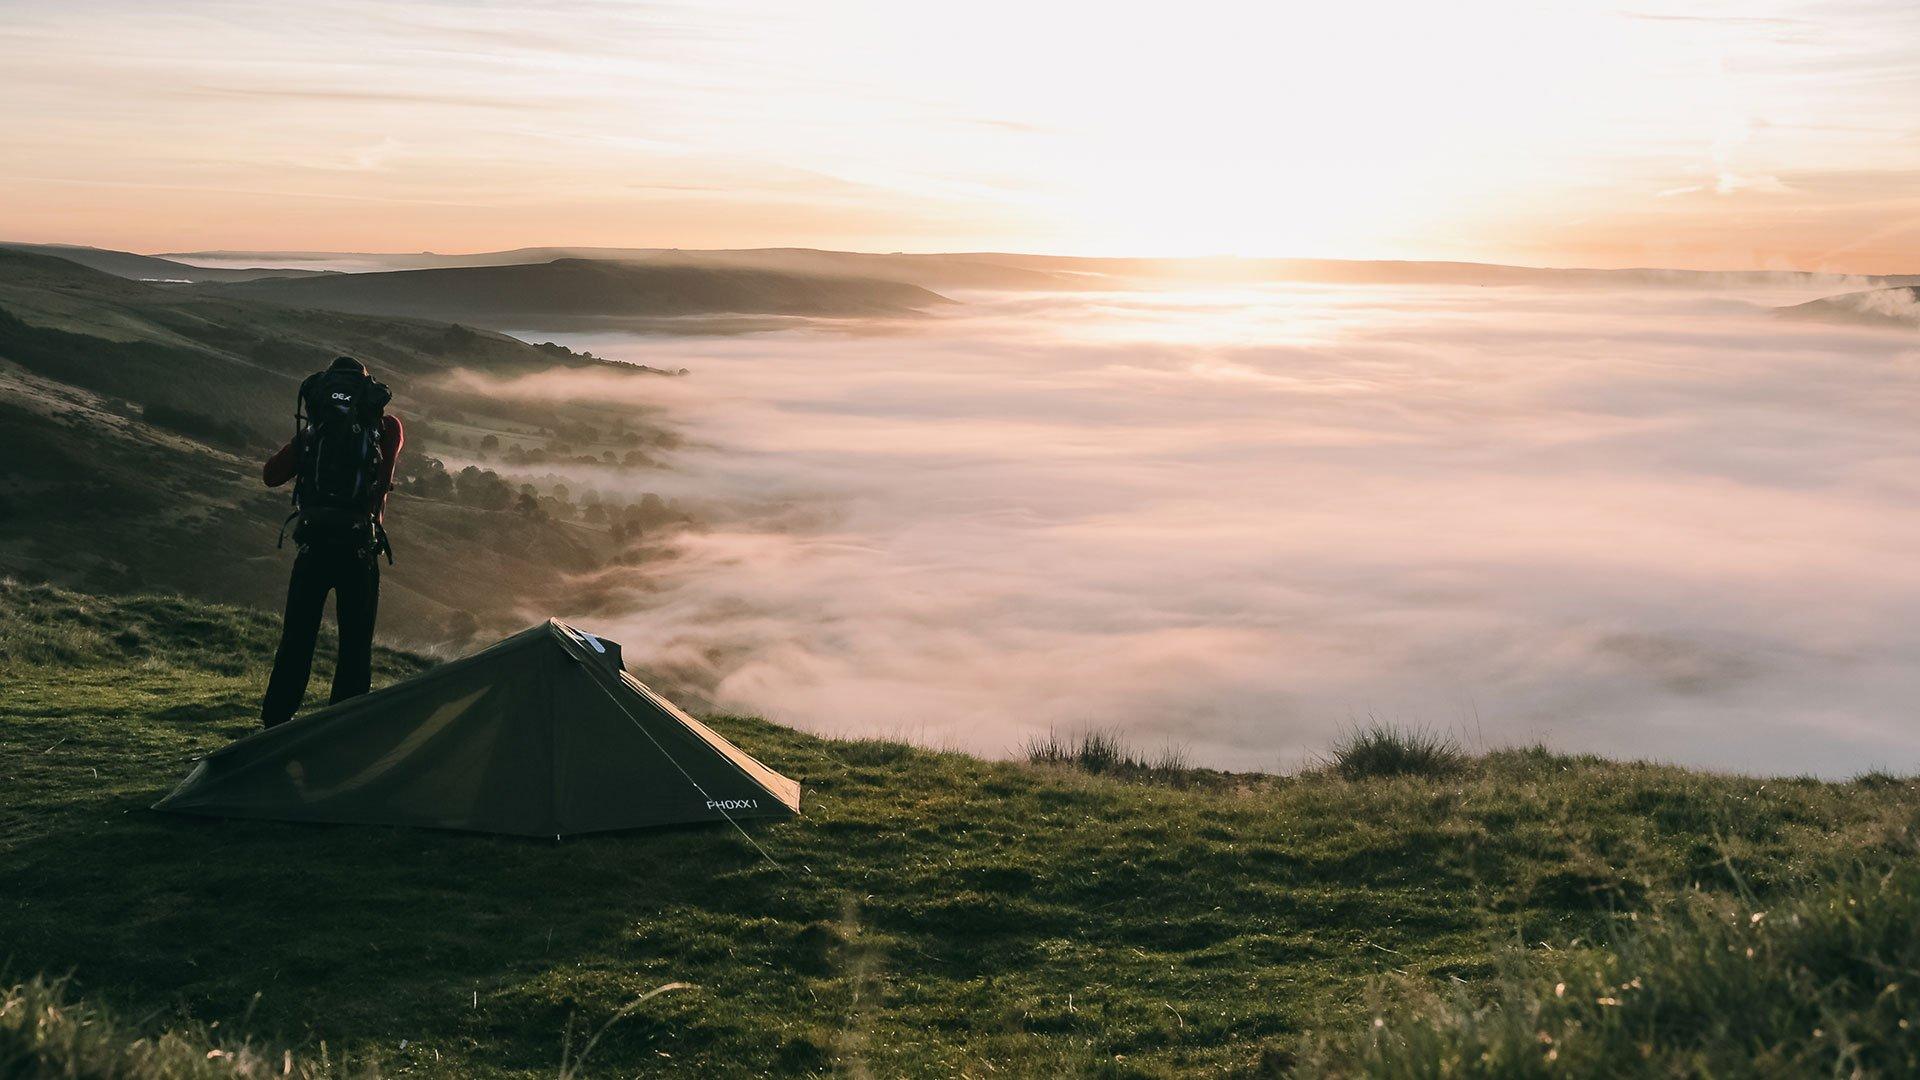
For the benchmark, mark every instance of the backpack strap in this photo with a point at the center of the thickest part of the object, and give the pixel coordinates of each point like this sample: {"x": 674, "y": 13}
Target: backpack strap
{"x": 299, "y": 427}
{"x": 300, "y": 404}
{"x": 380, "y": 541}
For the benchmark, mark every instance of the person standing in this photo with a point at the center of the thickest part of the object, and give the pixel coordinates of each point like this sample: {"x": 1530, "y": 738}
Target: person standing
{"x": 341, "y": 460}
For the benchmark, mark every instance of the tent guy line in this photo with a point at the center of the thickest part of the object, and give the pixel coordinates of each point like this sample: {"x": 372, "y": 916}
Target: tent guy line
{"x": 717, "y": 804}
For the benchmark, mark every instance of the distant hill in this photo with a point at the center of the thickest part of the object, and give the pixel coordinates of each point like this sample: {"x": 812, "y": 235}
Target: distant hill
{"x": 582, "y": 291}
{"x": 927, "y": 271}
{"x": 1233, "y": 270}
{"x": 1874, "y": 307}
{"x": 1003, "y": 270}
{"x": 134, "y": 417}
{"x": 126, "y": 264}
{"x": 218, "y": 352}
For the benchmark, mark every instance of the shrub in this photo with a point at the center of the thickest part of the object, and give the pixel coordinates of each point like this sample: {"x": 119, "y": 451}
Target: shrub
{"x": 1386, "y": 750}
{"x": 483, "y": 488}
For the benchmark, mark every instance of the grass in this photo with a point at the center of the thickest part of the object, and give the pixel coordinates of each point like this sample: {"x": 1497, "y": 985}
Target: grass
{"x": 45, "y": 1032}
{"x": 1710, "y": 985}
{"x": 1104, "y": 753}
{"x": 940, "y": 915}
{"x": 1380, "y": 750}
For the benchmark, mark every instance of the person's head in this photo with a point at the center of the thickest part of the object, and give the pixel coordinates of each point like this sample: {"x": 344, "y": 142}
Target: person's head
{"x": 348, "y": 363}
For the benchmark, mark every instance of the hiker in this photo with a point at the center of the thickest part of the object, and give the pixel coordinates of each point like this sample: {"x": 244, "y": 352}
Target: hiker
{"x": 341, "y": 460}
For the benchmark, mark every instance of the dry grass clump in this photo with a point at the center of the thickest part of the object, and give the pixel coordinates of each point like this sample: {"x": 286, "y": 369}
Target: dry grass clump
{"x": 45, "y": 1033}
{"x": 1379, "y": 749}
{"x": 1103, "y": 753}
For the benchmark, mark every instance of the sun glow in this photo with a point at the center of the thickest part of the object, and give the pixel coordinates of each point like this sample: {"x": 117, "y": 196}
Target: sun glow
{"x": 1695, "y": 134}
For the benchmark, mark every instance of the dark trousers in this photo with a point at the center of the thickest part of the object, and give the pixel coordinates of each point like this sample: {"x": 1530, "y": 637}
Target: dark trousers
{"x": 354, "y": 580}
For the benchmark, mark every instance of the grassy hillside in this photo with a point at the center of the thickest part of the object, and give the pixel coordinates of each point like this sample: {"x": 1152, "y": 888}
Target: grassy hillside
{"x": 133, "y": 420}
{"x": 155, "y": 345}
{"x": 569, "y": 292}
{"x": 126, "y": 264}
{"x": 151, "y": 343}
{"x": 1516, "y": 914}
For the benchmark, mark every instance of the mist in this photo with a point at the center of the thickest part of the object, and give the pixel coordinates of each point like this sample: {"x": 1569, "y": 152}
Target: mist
{"x": 1643, "y": 523}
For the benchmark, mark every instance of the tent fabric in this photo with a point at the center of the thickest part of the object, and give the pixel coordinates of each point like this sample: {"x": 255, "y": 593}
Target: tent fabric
{"x": 542, "y": 734}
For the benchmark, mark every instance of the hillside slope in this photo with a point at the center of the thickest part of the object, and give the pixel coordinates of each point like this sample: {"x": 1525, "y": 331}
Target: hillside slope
{"x": 928, "y": 271}
{"x": 156, "y": 344}
{"x": 126, "y": 264}
{"x": 1873, "y": 307}
{"x": 133, "y": 420}
{"x": 929, "y": 914}
{"x": 567, "y": 292}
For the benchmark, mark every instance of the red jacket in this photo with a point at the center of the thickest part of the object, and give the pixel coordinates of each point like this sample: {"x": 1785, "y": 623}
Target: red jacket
{"x": 286, "y": 461}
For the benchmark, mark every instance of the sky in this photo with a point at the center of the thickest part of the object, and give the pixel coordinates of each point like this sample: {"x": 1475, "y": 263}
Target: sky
{"x": 1756, "y": 134}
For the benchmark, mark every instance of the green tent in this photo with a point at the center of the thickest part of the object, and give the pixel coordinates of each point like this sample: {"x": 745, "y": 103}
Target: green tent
{"x": 543, "y": 734}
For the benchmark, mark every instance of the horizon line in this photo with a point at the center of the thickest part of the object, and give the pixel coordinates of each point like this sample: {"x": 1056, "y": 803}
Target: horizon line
{"x": 316, "y": 254}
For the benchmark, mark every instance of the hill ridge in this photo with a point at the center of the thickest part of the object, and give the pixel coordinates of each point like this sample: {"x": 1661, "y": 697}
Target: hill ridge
{"x": 569, "y": 291}
{"x": 127, "y": 264}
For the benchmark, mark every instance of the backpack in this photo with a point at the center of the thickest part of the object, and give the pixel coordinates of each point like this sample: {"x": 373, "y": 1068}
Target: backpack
{"x": 337, "y": 426}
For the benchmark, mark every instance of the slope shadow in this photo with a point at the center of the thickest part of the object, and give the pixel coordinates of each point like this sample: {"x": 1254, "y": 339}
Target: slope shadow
{"x": 357, "y": 933}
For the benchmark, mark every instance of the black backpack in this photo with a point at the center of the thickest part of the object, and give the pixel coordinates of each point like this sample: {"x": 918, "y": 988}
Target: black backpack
{"x": 337, "y": 434}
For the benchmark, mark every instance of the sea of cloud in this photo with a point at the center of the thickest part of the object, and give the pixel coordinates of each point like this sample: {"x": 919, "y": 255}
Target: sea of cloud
{"x": 1653, "y": 523}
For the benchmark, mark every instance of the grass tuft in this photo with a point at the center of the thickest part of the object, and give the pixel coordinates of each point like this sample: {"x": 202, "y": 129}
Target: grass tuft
{"x": 1380, "y": 749}
{"x": 45, "y": 1032}
{"x": 1880, "y": 778}
{"x": 1103, "y": 753}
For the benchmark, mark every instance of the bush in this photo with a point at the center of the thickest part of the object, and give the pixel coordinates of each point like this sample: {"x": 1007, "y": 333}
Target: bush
{"x": 1385, "y": 750}
{"x": 425, "y": 477}
{"x": 483, "y": 488}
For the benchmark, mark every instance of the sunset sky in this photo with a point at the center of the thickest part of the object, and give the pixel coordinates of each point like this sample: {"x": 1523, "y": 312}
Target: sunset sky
{"x": 1737, "y": 135}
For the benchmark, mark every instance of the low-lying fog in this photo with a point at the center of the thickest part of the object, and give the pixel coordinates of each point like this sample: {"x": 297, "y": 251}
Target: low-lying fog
{"x": 1644, "y": 523}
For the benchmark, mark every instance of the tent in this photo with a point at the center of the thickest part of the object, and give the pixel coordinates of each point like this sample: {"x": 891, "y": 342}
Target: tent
{"x": 542, "y": 734}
